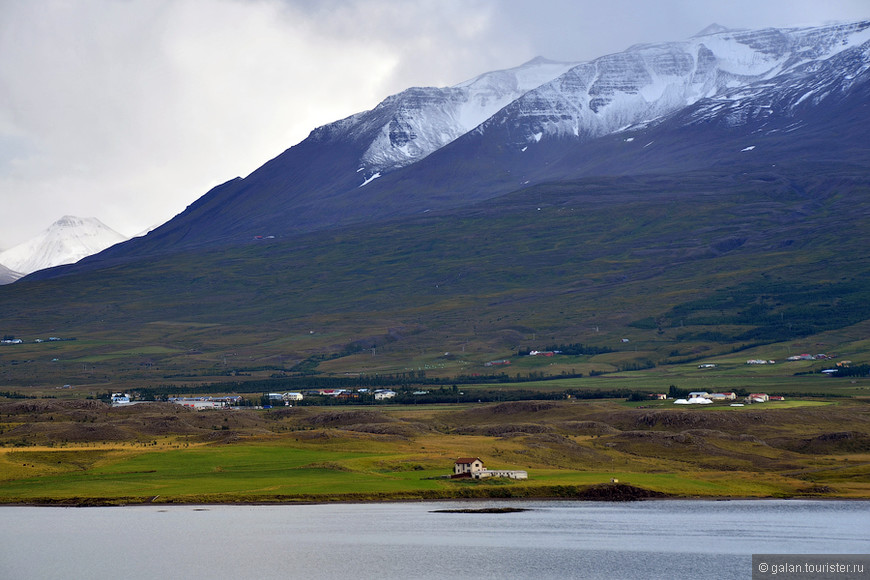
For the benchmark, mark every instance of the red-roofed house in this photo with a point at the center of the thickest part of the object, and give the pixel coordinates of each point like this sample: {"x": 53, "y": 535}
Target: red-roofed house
{"x": 467, "y": 466}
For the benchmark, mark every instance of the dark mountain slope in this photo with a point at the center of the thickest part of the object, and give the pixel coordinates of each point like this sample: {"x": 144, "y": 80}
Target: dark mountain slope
{"x": 708, "y": 258}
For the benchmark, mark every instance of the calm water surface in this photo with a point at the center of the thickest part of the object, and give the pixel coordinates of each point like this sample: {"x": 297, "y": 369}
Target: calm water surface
{"x": 650, "y": 539}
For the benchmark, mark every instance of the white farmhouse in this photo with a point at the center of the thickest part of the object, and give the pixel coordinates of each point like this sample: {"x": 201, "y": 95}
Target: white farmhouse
{"x": 467, "y": 465}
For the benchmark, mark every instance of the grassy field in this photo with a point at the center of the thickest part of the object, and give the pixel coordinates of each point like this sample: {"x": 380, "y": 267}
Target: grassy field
{"x": 86, "y": 452}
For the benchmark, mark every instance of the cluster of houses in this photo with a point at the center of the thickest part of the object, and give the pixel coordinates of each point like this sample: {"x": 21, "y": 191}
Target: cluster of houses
{"x": 10, "y": 340}
{"x": 473, "y": 467}
{"x": 287, "y": 399}
{"x": 810, "y": 357}
{"x": 284, "y": 398}
{"x": 705, "y": 398}
{"x": 202, "y": 403}
{"x": 796, "y": 357}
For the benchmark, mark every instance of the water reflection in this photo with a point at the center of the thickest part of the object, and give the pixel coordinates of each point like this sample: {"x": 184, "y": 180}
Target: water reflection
{"x": 650, "y": 539}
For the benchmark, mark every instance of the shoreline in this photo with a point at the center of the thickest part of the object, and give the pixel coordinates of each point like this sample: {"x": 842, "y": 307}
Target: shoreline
{"x": 608, "y": 492}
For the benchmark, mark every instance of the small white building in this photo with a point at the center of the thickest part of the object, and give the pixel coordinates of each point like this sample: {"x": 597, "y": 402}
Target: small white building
{"x": 699, "y": 395}
{"x": 120, "y": 399}
{"x": 380, "y": 395}
{"x": 292, "y": 396}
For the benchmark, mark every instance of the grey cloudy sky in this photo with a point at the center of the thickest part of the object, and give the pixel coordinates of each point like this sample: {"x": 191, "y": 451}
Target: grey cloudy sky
{"x": 129, "y": 110}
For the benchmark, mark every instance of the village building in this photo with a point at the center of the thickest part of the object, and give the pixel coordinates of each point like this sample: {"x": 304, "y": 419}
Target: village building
{"x": 330, "y": 392}
{"x": 120, "y": 399}
{"x": 199, "y": 403}
{"x": 495, "y": 363}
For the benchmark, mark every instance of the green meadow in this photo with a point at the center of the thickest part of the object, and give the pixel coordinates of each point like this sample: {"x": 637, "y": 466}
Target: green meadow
{"x": 808, "y": 449}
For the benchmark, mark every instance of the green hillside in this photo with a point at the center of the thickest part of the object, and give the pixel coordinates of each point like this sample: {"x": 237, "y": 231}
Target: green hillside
{"x": 658, "y": 270}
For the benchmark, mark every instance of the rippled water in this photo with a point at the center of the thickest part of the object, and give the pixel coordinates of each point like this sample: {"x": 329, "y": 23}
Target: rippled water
{"x": 559, "y": 539}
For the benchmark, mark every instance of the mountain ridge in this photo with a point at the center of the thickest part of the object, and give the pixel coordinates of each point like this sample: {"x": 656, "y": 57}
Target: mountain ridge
{"x": 316, "y": 184}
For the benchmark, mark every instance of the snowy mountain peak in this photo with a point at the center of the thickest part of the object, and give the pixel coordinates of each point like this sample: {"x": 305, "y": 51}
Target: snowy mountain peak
{"x": 650, "y": 81}
{"x": 545, "y": 98}
{"x": 66, "y": 241}
{"x": 410, "y": 125}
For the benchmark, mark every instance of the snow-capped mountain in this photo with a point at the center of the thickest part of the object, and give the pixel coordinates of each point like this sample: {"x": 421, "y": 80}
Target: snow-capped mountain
{"x": 414, "y": 123}
{"x": 689, "y": 105}
{"x": 66, "y": 241}
{"x": 769, "y": 70}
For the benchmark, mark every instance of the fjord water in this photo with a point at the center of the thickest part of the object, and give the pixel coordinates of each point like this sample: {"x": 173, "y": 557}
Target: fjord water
{"x": 554, "y": 539}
